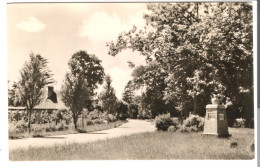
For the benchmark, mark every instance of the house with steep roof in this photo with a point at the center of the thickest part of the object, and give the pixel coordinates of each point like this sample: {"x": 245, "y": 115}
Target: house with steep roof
{"x": 50, "y": 104}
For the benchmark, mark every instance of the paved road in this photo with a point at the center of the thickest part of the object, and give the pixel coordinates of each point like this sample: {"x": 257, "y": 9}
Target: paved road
{"x": 129, "y": 128}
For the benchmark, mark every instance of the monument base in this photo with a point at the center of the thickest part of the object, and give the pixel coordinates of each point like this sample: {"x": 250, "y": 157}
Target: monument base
{"x": 215, "y": 121}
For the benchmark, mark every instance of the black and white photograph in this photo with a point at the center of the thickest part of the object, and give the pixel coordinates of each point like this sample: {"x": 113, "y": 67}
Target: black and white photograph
{"x": 130, "y": 81}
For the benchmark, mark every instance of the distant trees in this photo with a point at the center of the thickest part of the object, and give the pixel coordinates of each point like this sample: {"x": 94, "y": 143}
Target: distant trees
{"x": 122, "y": 110}
{"x": 108, "y": 97}
{"x": 151, "y": 78}
{"x": 193, "y": 50}
{"x": 14, "y": 98}
{"x": 80, "y": 83}
{"x": 34, "y": 76}
{"x": 128, "y": 93}
{"x": 129, "y": 97}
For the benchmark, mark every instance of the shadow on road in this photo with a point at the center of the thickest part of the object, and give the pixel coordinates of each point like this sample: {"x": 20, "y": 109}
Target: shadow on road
{"x": 101, "y": 133}
{"x": 50, "y": 137}
{"x": 123, "y": 127}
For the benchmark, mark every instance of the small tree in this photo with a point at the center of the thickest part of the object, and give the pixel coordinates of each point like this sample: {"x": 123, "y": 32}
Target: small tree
{"x": 80, "y": 84}
{"x": 35, "y": 75}
{"x": 128, "y": 93}
{"x": 74, "y": 93}
{"x": 108, "y": 97}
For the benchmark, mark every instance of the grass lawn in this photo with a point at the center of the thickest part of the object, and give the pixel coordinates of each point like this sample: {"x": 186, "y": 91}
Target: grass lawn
{"x": 88, "y": 128}
{"x": 147, "y": 146}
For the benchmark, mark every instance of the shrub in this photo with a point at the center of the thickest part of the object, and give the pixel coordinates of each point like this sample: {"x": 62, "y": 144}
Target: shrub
{"x": 62, "y": 126}
{"x": 240, "y": 123}
{"x": 45, "y": 117}
{"x": 17, "y": 128}
{"x": 103, "y": 115}
{"x": 172, "y": 129}
{"x": 50, "y": 127}
{"x": 144, "y": 113}
{"x": 252, "y": 146}
{"x": 57, "y": 115}
{"x": 66, "y": 116}
{"x": 33, "y": 118}
{"x": 89, "y": 122}
{"x": 176, "y": 122}
{"x": 13, "y": 116}
{"x": 111, "y": 118}
{"x": 193, "y": 123}
{"x": 94, "y": 114}
{"x": 185, "y": 129}
{"x": 98, "y": 121}
{"x": 11, "y": 128}
{"x": 38, "y": 128}
{"x": 164, "y": 121}
{"x": 122, "y": 116}
{"x": 21, "y": 126}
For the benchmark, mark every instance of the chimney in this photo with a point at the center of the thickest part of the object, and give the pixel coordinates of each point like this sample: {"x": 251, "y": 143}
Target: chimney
{"x": 51, "y": 94}
{"x": 50, "y": 91}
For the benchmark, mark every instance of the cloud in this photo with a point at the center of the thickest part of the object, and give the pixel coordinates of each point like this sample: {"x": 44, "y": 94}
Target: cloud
{"x": 31, "y": 24}
{"x": 105, "y": 27}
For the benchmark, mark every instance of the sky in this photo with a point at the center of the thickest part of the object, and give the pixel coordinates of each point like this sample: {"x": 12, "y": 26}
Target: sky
{"x": 58, "y": 30}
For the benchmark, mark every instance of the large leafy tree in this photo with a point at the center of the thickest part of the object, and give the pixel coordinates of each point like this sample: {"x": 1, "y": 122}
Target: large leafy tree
{"x": 151, "y": 78}
{"x": 203, "y": 48}
{"x": 86, "y": 72}
{"x": 34, "y": 76}
{"x": 88, "y": 66}
{"x": 108, "y": 97}
{"x": 225, "y": 49}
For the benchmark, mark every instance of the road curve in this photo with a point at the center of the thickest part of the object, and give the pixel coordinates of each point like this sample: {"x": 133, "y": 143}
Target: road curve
{"x": 129, "y": 128}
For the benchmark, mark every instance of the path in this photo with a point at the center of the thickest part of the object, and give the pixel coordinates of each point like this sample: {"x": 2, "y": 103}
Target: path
{"x": 129, "y": 128}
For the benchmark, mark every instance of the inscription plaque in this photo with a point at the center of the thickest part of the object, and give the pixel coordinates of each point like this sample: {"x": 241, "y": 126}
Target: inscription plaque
{"x": 211, "y": 116}
{"x": 221, "y": 117}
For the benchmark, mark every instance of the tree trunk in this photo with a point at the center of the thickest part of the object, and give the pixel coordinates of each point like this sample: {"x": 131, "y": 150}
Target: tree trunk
{"x": 75, "y": 120}
{"x": 29, "y": 120}
{"x": 75, "y": 124}
{"x": 82, "y": 120}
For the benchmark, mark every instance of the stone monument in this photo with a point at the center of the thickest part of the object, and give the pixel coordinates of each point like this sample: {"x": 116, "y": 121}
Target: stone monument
{"x": 216, "y": 120}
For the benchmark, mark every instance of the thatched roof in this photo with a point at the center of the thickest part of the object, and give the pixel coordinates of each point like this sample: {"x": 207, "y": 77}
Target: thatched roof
{"x": 50, "y": 105}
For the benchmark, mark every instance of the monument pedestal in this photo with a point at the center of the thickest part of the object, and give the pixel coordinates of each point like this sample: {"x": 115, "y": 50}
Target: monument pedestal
{"x": 215, "y": 120}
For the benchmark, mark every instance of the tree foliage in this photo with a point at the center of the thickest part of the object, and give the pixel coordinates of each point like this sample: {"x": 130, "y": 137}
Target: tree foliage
{"x": 88, "y": 66}
{"x": 128, "y": 93}
{"x": 108, "y": 97}
{"x": 14, "y": 98}
{"x": 34, "y": 76}
{"x": 80, "y": 83}
{"x": 122, "y": 110}
{"x": 198, "y": 49}
{"x": 74, "y": 93}
{"x": 151, "y": 78}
